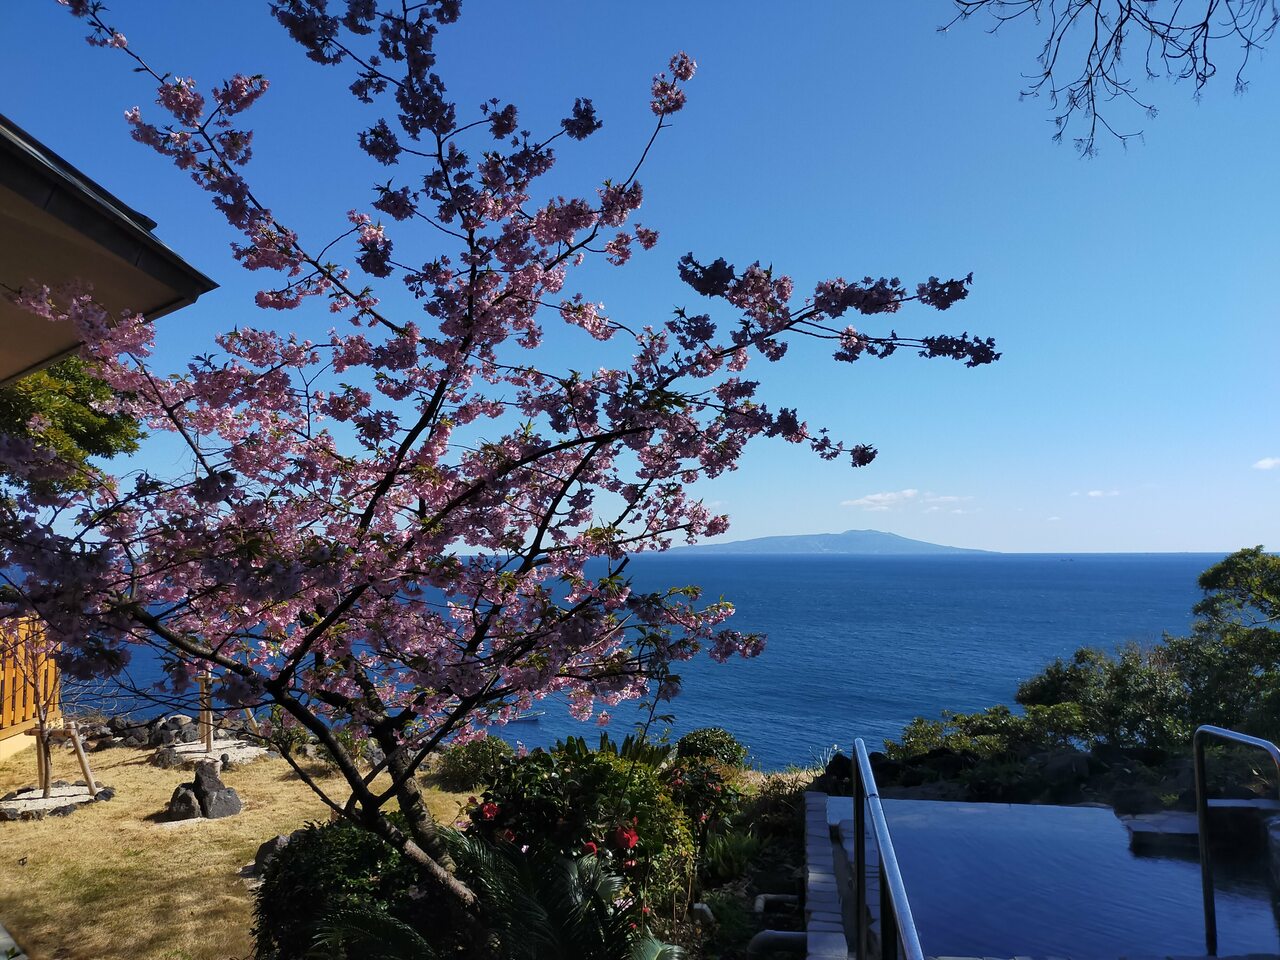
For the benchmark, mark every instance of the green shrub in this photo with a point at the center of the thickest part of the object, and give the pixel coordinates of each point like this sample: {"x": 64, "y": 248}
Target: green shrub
{"x": 464, "y": 766}
{"x": 734, "y": 927}
{"x": 704, "y": 790}
{"x": 340, "y": 889}
{"x": 994, "y": 732}
{"x": 634, "y": 749}
{"x": 712, "y": 743}
{"x": 726, "y": 856}
{"x": 589, "y": 802}
{"x": 327, "y": 870}
{"x": 775, "y": 806}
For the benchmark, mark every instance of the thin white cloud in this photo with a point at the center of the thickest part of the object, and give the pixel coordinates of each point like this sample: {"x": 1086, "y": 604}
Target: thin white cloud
{"x": 1053, "y": 519}
{"x": 1267, "y": 463}
{"x": 883, "y": 501}
{"x": 1103, "y": 493}
{"x": 935, "y": 498}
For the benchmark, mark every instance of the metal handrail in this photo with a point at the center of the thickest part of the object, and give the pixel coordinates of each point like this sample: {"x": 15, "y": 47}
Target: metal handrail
{"x": 1202, "y": 817}
{"x": 897, "y": 927}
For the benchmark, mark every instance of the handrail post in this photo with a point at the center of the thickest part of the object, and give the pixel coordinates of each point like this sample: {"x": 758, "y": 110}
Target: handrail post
{"x": 897, "y": 927}
{"x": 1202, "y": 815}
{"x": 859, "y": 862}
{"x": 1206, "y": 857}
{"x": 888, "y": 919}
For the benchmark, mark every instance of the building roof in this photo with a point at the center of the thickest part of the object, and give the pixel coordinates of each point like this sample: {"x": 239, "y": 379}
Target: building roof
{"x": 58, "y": 225}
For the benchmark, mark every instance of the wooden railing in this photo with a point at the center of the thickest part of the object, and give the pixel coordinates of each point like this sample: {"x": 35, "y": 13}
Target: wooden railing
{"x": 28, "y": 679}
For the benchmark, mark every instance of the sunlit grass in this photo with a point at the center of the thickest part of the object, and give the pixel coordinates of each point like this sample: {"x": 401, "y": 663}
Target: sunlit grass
{"x": 112, "y": 881}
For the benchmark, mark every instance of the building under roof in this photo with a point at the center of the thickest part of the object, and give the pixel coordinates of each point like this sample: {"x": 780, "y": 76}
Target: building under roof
{"x": 57, "y": 225}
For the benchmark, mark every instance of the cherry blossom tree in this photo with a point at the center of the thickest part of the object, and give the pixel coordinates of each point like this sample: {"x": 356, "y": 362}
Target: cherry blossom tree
{"x": 1094, "y": 52}
{"x": 413, "y": 527}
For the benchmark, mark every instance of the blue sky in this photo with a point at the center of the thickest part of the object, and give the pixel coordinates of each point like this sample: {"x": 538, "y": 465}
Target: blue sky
{"x": 1132, "y": 294}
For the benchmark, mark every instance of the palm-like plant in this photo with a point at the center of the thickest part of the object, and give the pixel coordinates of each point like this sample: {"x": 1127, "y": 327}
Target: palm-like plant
{"x": 542, "y": 906}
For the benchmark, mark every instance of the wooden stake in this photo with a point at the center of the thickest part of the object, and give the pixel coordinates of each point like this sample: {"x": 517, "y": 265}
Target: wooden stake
{"x": 42, "y": 774}
{"x": 253, "y": 722}
{"x": 84, "y": 761}
{"x": 206, "y": 713}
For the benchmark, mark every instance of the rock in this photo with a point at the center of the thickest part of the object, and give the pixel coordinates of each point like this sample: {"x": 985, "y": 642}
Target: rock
{"x": 1066, "y": 767}
{"x": 373, "y": 754}
{"x": 107, "y": 743}
{"x": 11, "y": 795}
{"x": 63, "y": 811}
{"x": 177, "y": 721}
{"x": 216, "y": 799}
{"x": 166, "y": 758}
{"x": 883, "y": 768}
{"x": 189, "y": 734}
{"x": 9, "y": 813}
{"x": 207, "y": 779}
{"x": 267, "y": 852}
{"x": 134, "y": 742}
{"x": 946, "y": 763}
{"x": 164, "y": 738}
{"x": 1136, "y": 800}
{"x": 183, "y": 805}
{"x": 273, "y": 755}
{"x": 221, "y": 803}
{"x": 106, "y": 793}
{"x": 839, "y": 767}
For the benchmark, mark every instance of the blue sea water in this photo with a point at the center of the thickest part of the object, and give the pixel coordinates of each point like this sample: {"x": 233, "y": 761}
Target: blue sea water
{"x": 858, "y": 645}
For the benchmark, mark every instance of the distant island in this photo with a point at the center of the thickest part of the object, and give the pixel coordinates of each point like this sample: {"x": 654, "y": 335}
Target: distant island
{"x": 851, "y": 543}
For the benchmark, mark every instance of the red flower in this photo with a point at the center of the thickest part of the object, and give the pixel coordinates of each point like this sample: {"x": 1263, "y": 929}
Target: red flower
{"x": 489, "y": 810}
{"x": 508, "y": 835}
{"x": 625, "y": 837}
{"x": 590, "y": 848}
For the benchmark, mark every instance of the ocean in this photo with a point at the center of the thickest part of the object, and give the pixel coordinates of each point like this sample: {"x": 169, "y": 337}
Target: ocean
{"x": 859, "y": 645}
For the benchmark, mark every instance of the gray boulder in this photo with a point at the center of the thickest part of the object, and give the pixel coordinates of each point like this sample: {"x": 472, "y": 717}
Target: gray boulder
{"x": 207, "y": 779}
{"x": 183, "y": 805}
{"x": 268, "y": 852}
{"x": 1066, "y": 766}
{"x": 166, "y": 758}
{"x": 215, "y": 797}
{"x": 221, "y": 803}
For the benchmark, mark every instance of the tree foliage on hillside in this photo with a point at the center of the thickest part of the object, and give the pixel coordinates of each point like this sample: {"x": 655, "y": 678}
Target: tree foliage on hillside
{"x": 1095, "y": 52}
{"x": 1225, "y": 672}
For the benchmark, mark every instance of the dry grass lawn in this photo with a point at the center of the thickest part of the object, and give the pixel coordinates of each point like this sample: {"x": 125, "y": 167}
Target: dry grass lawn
{"x": 111, "y": 881}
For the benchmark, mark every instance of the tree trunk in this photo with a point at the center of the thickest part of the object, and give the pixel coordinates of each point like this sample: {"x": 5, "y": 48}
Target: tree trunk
{"x": 422, "y": 825}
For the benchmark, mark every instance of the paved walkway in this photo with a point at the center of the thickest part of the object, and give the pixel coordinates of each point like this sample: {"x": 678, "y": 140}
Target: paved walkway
{"x": 8, "y": 949}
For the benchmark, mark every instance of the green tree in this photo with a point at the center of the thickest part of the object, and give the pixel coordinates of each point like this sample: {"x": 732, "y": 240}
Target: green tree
{"x": 1225, "y": 672}
{"x": 1230, "y": 664}
{"x": 63, "y": 407}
